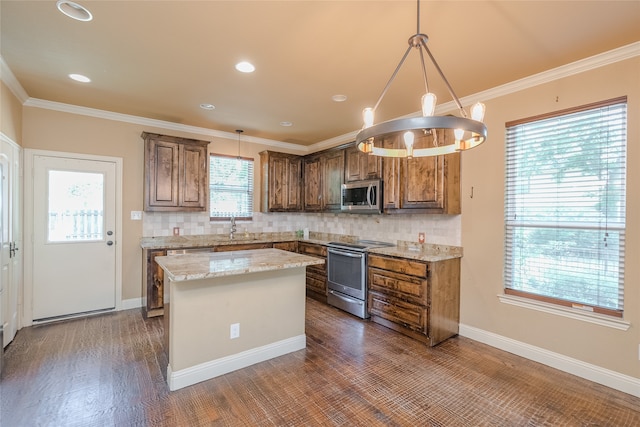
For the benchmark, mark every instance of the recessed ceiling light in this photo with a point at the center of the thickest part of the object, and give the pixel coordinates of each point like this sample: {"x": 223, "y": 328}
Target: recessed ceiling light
{"x": 245, "y": 67}
{"x": 339, "y": 98}
{"x": 207, "y": 106}
{"x": 286, "y": 124}
{"x": 74, "y": 10}
{"x": 79, "y": 78}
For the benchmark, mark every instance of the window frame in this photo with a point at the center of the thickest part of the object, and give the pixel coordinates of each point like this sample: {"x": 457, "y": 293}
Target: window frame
{"x": 249, "y": 188}
{"x": 510, "y": 225}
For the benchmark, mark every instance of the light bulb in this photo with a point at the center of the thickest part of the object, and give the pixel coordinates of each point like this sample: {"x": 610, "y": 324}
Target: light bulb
{"x": 367, "y": 116}
{"x": 408, "y": 142}
{"x": 459, "y": 134}
{"x": 477, "y": 111}
{"x": 429, "y": 104}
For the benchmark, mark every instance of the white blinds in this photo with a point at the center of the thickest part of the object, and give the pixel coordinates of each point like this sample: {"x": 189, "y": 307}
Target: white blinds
{"x": 230, "y": 187}
{"x": 565, "y": 206}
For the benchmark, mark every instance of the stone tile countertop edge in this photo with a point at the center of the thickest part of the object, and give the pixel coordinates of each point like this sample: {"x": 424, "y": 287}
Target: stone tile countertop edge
{"x": 205, "y": 240}
{"x": 218, "y": 264}
{"x": 411, "y": 250}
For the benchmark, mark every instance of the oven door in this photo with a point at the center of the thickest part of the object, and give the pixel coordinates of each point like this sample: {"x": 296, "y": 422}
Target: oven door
{"x": 346, "y": 272}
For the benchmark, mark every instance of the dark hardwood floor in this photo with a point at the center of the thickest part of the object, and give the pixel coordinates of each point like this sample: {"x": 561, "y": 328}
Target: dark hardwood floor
{"x": 110, "y": 370}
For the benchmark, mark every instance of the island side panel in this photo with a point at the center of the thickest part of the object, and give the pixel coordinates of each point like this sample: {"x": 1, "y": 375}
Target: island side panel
{"x": 269, "y": 306}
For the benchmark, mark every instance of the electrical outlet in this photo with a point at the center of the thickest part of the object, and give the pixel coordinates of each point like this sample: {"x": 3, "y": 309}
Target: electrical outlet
{"x": 234, "y": 330}
{"x": 421, "y": 237}
{"x": 136, "y": 215}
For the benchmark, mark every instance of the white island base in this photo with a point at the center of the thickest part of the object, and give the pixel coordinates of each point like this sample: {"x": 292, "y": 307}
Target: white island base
{"x": 268, "y": 306}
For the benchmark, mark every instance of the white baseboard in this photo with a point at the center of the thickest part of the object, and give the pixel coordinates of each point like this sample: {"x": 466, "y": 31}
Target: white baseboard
{"x": 127, "y": 304}
{"x": 615, "y": 380}
{"x": 224, "y": 365}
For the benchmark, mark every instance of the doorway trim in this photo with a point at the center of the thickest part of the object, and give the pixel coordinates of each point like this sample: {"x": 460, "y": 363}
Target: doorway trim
{"x": 29, "y": 154}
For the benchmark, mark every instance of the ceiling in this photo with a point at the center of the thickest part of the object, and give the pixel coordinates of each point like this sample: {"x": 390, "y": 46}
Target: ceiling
{"x": 162, "y": 59}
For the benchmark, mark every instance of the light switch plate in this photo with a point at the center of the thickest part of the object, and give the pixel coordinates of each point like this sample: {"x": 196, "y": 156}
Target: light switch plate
{"x": 136, "y": 215}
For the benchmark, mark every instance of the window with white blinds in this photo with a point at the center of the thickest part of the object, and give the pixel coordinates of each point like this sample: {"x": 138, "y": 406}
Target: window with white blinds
{"x": 565, "y": 196}
{"x": 230, "y": 187}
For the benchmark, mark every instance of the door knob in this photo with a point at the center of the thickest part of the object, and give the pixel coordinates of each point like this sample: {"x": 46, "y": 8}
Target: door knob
{"x": 109, "y": 243}
{"x": 109, "y": 233}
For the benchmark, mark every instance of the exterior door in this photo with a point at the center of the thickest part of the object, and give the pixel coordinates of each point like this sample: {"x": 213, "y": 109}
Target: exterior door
{"x": 74, "y": 236}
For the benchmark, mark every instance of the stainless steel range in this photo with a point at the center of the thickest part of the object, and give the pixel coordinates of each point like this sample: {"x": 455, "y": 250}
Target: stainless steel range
{"x": 347, "y": 275}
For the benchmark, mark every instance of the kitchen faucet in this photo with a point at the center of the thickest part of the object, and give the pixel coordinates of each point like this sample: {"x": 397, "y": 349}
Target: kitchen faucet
{"x": 233, "y": 228}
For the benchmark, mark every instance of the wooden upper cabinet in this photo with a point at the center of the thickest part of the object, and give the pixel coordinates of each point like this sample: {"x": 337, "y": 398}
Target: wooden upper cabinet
{"x": 422, "y": 184}
{"x": 333, "y": 178}
{"x": 176, "y": 173}
{"x": 281, "y": 182}
{"x": 323, "y": 178}
{"x": 360, "y": 166}
{"x": 313, "y": 183}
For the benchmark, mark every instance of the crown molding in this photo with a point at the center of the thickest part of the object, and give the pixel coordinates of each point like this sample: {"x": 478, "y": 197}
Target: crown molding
{"x": 7, "y": 76}
{"x": 600, "y": 60}
{"x": 126, "y": 118}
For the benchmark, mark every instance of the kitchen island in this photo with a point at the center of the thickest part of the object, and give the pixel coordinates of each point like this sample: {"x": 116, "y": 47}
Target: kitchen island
{"x": 230, "y": 310}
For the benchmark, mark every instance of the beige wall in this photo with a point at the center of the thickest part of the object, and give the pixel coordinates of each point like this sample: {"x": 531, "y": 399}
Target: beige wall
{"x": 60, "y": 131}
{"x": 10, "y": 114}
{"x": 483, "y": 226}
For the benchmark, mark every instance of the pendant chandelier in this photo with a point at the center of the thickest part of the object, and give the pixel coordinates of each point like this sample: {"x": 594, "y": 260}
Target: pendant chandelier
{"x": 467, "y": 132}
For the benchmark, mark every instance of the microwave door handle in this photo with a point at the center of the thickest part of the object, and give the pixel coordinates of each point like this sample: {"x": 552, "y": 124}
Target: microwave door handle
{"x": 369, "y": 190}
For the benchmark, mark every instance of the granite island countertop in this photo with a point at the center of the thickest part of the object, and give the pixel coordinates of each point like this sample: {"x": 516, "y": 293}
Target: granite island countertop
{"x": 217, "y": 264}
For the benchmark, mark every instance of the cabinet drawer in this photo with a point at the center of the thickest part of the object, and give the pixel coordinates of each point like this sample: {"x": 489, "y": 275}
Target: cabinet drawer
{"x": 312, "y": 249}
{"x": 399, "y": 285}
{"x": 316, "y": 283}
{"x": 405, "y": 266}
{"x": 404, "y": 313}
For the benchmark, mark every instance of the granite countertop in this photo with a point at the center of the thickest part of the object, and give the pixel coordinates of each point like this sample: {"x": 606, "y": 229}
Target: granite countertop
{"x": 420, "y": 251}
{"x": 207, "y": 240}
{"x": 411, "y": 250}
{"x": 218, "y": 264}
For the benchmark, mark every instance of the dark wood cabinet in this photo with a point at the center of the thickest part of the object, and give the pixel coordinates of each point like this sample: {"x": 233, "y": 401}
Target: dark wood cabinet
{"x": 287, "y": 246}
{"x": 323, "y": 178}
{"x": 360, "y": 166}
{"x": 419, "y": 299}
{"x": 316, "y": 278}
{"x": 421, "y": 184}
{"x": 153, "y": 283}
{"x": 175, "y": 173}
{"x": 281, "y": 182}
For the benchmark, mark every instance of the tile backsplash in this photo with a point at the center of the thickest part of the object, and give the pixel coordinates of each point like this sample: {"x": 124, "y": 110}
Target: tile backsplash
{"x": 439, "y": 229}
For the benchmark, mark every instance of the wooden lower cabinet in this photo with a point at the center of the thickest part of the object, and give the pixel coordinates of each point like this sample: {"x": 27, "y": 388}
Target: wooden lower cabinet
{"x": 153, "y": 283}
{"x": 417, "y": 298}
{"x": 242, "y": 247}
{"x": 316, "y": 274}
{"x": 287, "y": 246}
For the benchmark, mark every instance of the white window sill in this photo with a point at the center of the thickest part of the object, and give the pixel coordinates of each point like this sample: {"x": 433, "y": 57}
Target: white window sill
{"x": 572, "y": 313}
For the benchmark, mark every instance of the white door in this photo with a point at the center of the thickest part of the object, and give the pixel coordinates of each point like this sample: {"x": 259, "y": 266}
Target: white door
{"x": 74, "y": 236}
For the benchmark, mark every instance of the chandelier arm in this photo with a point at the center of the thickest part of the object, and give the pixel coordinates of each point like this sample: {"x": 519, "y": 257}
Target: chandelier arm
{"x": 424, "y": 71}
{"x": 446, "y": 82}
{"x": 393, "y": 76}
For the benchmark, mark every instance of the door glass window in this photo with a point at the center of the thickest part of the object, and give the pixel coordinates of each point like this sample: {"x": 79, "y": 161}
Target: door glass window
{"x": 75, "y": 206}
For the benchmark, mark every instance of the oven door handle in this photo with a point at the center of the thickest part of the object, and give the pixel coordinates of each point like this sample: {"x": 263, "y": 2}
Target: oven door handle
{"x": 342, "y": 297}
{"x": 348, "y": 254}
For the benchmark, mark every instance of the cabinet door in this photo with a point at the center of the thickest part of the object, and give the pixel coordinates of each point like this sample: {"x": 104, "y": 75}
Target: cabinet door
{"x": 313, "y": 184}
{"x": 294, "y": 185}
{"x": 422, "y": 181}
{"x": 154, "y": 284}
{"x": 390, "y": 178}
{"x": 277, "y": 177}
{"x": 333, "y": 174}
{"x": 359, "y": 166}
{"x": 193, "y": 169}
{"x": 162, "y": 173}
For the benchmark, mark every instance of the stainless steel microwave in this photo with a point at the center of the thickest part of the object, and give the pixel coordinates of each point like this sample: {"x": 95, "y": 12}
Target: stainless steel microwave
{"x": 362, "y": 196}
